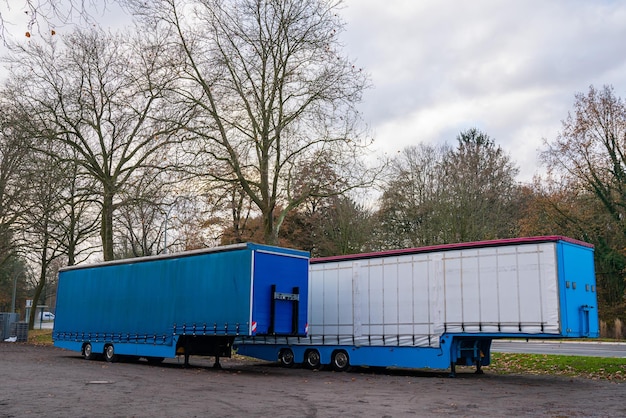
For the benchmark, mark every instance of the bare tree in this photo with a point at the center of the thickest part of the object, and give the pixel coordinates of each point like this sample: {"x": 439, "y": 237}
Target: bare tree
{"x": 231, "y": 210}
{"x": 14, "y": 274}
{"x": 104, "y": 97}
{"x": 412, "y": 207}
{"x": 140, "y": 221}
{"x": 14, "y": 150}
{"x": 42, "y": 230}
{"x": 591, "y": 148}
{"x": 438, "y": 195}
{"x": 54, "y": 219}
{"x": 78, "y": 209}
{"x": 589, "y": 156}
{"x": 155, "y": 206}
{"x": 345, "y": 227}
{"x": 46, "y": 14}
{"x": 559, "y": 205}
{"x": 481, "y": 188}
{"x": 272, "y": 94}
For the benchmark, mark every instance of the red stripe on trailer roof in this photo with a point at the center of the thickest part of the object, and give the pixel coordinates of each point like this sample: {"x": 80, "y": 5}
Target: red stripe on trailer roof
{"x": 449, "y": 247}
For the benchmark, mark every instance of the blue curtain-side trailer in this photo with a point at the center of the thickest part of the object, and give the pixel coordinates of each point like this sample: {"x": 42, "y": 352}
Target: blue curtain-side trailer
{"x": 441, "y": 306}
{"x": 191, "y": 303}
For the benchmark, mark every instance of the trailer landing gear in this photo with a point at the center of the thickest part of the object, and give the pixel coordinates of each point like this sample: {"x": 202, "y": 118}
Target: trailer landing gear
{"x": 478, "y": 363}
{"x": 452, "y": 369}
{"x": 479, "y": 367}
{"x": 204, "y": 345}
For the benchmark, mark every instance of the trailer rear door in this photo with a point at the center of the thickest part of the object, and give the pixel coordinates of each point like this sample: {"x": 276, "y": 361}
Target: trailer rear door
{"x": 580, "y": 316}
{"x": 280, "y": 294}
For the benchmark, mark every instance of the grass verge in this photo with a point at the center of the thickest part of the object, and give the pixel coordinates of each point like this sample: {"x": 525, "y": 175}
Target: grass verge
{"x": 40, "y": 337}
{"x": 595, "y": 368}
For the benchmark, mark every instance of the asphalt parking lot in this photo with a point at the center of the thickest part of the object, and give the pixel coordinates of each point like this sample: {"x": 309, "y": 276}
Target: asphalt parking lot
{"x": 46, "y": 381}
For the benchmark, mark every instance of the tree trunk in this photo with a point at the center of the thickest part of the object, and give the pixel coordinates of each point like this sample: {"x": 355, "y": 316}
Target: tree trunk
{"x": 40, "y": 284}
{"x": 106, "y": 227}
{"x": 270, "y": 234}
{"x": 36, "y": 297}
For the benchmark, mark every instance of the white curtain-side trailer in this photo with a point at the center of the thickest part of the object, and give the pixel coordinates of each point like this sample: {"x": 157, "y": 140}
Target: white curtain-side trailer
{"x": 440, "y": 306}
{"x": 190, "y": 303}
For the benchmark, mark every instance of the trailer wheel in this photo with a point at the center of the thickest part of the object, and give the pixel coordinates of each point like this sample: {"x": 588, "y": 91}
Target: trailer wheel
{"x": 109, "y": 353}
{"x": 286, "y": 357}
{"x": 88, "y": 353}
{"x": 312, "y": 359}
{"x": 340, "y": 361}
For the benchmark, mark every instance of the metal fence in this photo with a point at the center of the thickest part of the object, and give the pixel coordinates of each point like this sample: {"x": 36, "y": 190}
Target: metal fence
{"x": 11, "y": 327}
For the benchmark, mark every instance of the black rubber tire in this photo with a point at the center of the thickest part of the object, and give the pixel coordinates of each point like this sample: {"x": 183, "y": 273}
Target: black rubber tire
{"x": 340, "y": 361}
{"x": 155, "y": 360}
{"x": 88, "y": 353}
{"x": 109, "y": 353}
{"x": 312, "y": 359}
{"x": 286, "y": 358}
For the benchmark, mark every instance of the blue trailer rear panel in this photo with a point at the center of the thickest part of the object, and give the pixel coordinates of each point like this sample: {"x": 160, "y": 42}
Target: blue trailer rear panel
{"x": 188, "y": 303}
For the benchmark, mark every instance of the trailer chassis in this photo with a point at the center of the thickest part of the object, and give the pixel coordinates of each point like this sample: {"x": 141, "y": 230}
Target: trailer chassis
{"x": 453, "y": 350}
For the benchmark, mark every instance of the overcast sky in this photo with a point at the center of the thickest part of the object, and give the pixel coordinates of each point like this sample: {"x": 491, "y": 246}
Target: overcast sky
{"x": 509, "y": 68}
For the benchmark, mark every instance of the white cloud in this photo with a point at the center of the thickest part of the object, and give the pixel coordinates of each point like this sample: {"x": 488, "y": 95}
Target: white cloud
{"x": 508, "y": 68}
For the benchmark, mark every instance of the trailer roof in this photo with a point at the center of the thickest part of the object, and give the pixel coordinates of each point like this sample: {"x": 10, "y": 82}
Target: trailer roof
{"x": 450, "y": 247}
{"x": 233, "y": 247}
